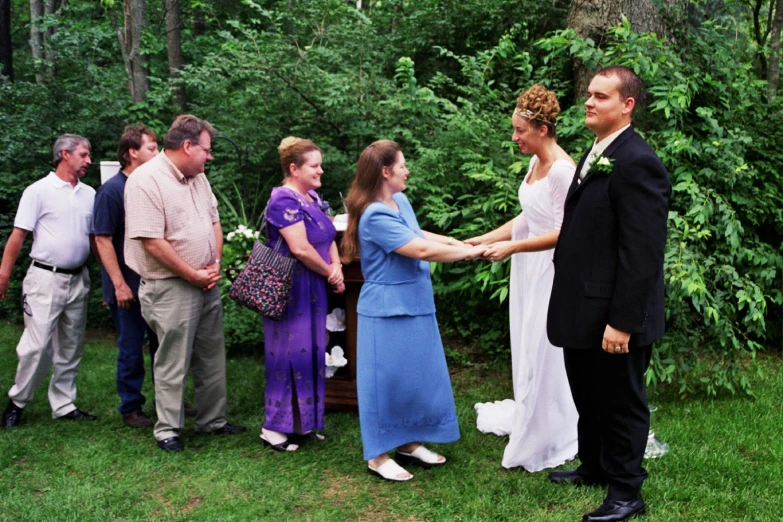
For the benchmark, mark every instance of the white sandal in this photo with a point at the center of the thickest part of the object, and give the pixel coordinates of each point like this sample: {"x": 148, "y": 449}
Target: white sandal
{"x": 389, "y": 470}
{"x": 421, "y": 456}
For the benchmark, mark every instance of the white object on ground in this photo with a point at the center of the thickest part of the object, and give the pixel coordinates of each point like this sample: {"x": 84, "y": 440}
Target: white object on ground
{"x": 495, "y": 417}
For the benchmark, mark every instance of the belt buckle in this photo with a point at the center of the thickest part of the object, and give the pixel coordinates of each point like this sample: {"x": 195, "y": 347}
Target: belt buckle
{"x": 54, "y": 269}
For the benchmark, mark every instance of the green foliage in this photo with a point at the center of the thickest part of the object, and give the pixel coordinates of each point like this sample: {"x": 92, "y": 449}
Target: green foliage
{"x": 711, "y": 125}
{"x": 440, "y": 77}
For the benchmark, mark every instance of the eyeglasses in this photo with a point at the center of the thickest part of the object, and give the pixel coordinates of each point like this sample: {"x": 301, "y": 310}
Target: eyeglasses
{"x": 208, "y": 151}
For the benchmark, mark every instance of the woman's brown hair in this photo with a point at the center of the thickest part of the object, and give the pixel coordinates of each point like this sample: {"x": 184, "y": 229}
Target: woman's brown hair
{"x": 539, "y": 106}
{"x": 365, "y": 189}
{"x": 293, "y": 150}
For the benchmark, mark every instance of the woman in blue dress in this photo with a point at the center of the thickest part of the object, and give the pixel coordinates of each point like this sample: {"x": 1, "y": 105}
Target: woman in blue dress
{"x": 403, "y": 384}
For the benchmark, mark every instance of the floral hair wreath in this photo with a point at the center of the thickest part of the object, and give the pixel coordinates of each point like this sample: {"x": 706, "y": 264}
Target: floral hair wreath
{"x": 528, "y": 115}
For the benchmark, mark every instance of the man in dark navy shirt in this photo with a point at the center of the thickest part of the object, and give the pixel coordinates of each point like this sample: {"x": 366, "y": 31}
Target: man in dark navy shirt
{"x": 138, "y": 144}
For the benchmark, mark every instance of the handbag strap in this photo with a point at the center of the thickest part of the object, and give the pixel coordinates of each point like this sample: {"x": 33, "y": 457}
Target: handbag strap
{"x": 265, "y": 225}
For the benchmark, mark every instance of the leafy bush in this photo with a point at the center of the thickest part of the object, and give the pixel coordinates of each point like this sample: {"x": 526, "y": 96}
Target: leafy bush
{"x": 712, "y": 126}
{"x": 442, "y": 82}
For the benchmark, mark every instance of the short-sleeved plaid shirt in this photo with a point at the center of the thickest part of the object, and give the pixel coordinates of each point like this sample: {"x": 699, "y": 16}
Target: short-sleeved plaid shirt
{"x": 162, "y": 203}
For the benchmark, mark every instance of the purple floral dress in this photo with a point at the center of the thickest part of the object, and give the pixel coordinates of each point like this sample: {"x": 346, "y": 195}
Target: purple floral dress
{"x": 295, "y": 346}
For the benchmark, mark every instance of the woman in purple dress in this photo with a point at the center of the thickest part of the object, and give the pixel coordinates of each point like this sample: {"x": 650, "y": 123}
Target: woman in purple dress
{"x": 295, "y": 346}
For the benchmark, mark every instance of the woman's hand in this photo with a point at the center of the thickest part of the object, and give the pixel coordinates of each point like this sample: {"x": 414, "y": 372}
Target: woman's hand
{"x": 499, "y": 251}
{"x": 339, "y": 289}
{"x": 478, "y": 240}
{"x": 336, "y": 277}
{"x": 476, "y": 251}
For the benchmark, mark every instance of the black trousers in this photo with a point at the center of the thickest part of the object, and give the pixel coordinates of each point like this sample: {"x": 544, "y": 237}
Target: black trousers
{"x": 614, "y": 419}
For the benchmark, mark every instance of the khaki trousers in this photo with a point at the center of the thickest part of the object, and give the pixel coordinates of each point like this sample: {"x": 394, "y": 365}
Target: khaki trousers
{"x": 189, "y": 326}
{"x": 55, "y": 314}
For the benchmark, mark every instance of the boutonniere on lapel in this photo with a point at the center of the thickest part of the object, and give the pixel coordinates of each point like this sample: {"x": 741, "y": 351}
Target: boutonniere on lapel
{"x": 602, "y": 165}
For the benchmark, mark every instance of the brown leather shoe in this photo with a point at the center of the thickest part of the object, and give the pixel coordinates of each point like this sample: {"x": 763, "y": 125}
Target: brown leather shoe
{"x": 138, "y": 419}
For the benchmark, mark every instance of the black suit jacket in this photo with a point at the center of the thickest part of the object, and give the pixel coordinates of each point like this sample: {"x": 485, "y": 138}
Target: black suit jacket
{"x": 609, "y": 256}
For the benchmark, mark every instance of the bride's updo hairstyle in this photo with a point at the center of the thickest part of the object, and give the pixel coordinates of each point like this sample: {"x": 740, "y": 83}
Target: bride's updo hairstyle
{"x": 539, "y": 106}
{"x": 293, "y": 150}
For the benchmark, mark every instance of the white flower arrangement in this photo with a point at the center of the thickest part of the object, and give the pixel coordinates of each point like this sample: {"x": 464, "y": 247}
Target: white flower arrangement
{"x": 237, "y": 249}
{"x": 335, "y": 321}
{"x": 243, "y": 232}
{"x": 334, "y": 360}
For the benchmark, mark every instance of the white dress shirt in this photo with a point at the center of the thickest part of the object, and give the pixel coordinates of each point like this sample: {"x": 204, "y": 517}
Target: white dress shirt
{"x": 598, "y": 148}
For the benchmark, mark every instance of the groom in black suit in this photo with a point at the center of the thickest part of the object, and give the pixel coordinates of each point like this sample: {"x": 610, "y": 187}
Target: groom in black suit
{"x": 607, "y": 304}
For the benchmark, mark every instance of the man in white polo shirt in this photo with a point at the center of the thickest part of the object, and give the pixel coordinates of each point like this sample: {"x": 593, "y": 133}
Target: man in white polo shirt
{"x": 58, "y": 211}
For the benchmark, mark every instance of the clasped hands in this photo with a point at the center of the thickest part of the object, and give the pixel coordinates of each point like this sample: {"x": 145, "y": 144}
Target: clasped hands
{"x": 476, "y": 251}
{"x": 336, "y": 278}
{"x": 207, "y": 277}
{"x": 496, "y": 252}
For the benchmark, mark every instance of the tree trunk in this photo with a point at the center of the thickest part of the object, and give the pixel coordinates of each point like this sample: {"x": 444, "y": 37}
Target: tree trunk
{"x": 591, "y": 18}
{"x": 6, "y": 51}
{"x": 50, "y": 7}
{"x": 761, "y": 38}
{"x": 174, "y": 44}
{"x": 774, "y": 44}
{"x": 137, "y": 71}
{"x": 36, "y": 38}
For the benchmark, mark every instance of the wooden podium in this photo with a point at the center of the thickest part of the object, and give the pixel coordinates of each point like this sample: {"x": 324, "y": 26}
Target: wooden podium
{"x": 341, "y": 387}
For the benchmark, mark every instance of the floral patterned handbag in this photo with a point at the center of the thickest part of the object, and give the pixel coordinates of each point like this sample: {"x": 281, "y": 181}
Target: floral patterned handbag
{"x": 265, "y": 283}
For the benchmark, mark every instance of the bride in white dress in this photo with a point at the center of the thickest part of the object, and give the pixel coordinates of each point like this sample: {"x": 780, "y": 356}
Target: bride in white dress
{"x": 542, "y": 417}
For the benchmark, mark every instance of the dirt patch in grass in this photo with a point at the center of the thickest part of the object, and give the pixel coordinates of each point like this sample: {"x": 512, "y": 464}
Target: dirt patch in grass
{"x": 340, "y": 488}
{"x": 164, "y": 509}
{"x": 343, "y": 489}
{"x": 192, "y": 503}
{"x": 374, "y": 514}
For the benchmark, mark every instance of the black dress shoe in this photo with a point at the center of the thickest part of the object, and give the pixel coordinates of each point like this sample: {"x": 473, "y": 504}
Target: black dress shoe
{"x": 77, "y": 415}
{"x": 172, "y": 444}
{"x": 616, "y": 510}
{"x": 572, "y": 476}
{"x": 12, "y": 415}
{"x": 229, "y": 429}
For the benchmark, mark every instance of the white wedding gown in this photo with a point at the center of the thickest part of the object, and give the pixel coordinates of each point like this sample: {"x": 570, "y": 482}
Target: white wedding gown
{"x": 542, "y": 417}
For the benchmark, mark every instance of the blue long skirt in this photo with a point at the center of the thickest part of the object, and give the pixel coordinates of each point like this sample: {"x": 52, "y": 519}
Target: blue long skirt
{"x": 403, "y": 384}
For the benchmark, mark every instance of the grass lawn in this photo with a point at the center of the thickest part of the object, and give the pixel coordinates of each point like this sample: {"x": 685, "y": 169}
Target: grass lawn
{"x": 726, "y": 461}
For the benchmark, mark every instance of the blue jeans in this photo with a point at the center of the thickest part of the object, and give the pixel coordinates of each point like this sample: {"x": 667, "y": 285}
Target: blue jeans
{"x": 131, "y": 329}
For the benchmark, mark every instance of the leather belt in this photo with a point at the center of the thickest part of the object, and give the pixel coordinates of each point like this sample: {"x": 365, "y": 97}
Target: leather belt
{"x": 58, "y": 270}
